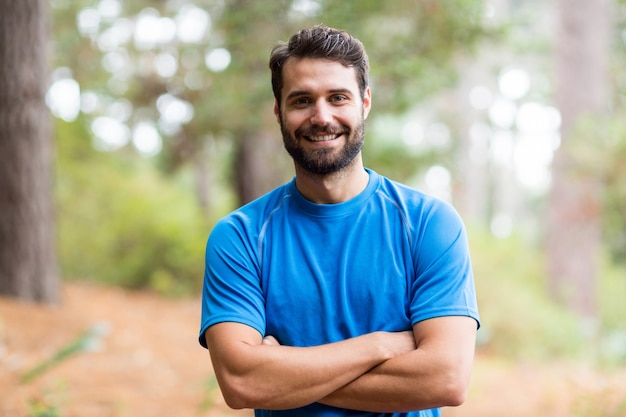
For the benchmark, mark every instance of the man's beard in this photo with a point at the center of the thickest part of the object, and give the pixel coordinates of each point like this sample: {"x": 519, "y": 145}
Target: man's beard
{"x": 324, "y": 161}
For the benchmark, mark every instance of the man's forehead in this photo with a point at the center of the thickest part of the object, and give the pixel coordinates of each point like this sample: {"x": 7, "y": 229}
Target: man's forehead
{"x": 306, "y": 73}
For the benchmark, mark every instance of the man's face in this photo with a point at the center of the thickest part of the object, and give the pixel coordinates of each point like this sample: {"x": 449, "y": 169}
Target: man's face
{"x": 321, "y": 114}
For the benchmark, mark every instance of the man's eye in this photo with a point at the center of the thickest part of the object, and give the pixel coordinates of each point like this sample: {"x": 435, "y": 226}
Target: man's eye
{"x": 338, "y": 99}
{"x": 301, "y": 101}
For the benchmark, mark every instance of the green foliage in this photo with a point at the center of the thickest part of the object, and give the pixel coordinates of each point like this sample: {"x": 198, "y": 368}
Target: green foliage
{"x": 411, "y": 46}
{"x": 41, "y": 408}
{"x": 612, "y": 288}
{"x": 86, "y": 341}
{"x": 120, "y": 222}
{"x": 211, "y": 390}
{"x": 599, "y": 403}
{"x": 520, "y": 321}
{"x": 596, "y": 148}
{"x": 89, "y": 339}
{"x": 614, "y": 215}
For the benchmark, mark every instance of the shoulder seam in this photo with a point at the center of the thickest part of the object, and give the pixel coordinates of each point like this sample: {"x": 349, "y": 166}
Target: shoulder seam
{"x": 264, "y": 227}
{"x": 405, "y": 221}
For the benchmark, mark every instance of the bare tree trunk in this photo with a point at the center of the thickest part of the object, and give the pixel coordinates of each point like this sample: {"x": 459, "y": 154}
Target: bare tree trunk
{"x": 28, "y": 268}
{"x": 574, "y": 209}
{"x": 260, "y": 165}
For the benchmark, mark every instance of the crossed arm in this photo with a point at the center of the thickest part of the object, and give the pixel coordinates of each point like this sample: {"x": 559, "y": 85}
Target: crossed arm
{"x": 381, "y": 371}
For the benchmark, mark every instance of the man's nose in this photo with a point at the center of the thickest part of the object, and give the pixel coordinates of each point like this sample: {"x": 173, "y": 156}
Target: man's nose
{"x": 322, "y": 114}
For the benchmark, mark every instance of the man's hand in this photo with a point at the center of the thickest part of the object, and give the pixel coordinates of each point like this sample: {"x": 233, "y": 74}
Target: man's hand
{"x": 258, "y": 372}
{"x": 270, "y": 341}
{"x": 435, "y": 374}
{"x": 398, "y": 343}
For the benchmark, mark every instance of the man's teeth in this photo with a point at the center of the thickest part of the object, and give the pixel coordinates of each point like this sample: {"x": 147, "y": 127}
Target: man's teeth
{"x": 321, "y": 138}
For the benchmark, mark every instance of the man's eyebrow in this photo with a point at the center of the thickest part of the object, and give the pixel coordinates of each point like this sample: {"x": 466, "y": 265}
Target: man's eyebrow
{"x": 297, "y": 93}
{"x": 341, "y": 90}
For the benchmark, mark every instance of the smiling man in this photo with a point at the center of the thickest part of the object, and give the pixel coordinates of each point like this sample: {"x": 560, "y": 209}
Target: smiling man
{"x": 342, "y": 292}
{"x": 325, "y": 114}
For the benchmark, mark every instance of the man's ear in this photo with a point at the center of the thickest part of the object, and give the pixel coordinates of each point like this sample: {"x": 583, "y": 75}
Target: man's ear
{"x": 276, "y": 111}
{"x": 367, "y": 102}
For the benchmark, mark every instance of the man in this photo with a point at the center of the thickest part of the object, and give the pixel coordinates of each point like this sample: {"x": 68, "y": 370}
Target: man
{"x": 341, "y": 292}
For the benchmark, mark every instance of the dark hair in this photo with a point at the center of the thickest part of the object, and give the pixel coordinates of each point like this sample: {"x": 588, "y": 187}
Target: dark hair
{"x": 320, "y": 42}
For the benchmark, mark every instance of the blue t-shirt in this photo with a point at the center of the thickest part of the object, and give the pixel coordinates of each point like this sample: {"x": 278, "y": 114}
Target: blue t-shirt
{"x": 310, "y": 274}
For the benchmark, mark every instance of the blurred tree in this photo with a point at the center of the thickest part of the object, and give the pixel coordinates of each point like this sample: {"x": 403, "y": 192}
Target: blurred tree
{"x": 191, "y": 77}
{"x": 221, "y": 77}
{"x": 411, "y": 46}
{"x": 28, "y": 268}
{"x": 614, "y": 220}
{"x": 582, "y": 96}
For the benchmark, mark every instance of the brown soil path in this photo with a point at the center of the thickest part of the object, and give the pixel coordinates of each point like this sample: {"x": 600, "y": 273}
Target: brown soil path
{"x": 149, "y": 364}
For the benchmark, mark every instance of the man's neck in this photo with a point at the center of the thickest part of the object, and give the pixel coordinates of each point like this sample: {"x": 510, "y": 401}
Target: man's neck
{"x": 334, "y": 188}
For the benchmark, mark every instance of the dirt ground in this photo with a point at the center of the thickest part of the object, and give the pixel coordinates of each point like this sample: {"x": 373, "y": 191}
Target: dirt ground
{"x": 148, "y": 363}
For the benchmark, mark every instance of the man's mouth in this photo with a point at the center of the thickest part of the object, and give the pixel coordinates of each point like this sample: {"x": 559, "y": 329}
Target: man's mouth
{"x": 322, "y": 138}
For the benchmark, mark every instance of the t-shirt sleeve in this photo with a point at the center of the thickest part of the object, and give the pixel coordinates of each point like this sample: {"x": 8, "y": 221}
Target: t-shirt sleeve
{"x": 444, "y": 282}
{"x": 231, "y": 289}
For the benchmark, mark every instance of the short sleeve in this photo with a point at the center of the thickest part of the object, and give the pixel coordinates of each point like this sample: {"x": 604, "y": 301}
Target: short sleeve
{"x": 231, "y": 289}
{"x": 444, "y": 282}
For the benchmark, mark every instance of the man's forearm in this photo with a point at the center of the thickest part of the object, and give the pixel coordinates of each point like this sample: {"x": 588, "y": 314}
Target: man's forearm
{"x": 390, "y": 387}
{"x": 436, "y": 374}
{"x": 256, "y": 373}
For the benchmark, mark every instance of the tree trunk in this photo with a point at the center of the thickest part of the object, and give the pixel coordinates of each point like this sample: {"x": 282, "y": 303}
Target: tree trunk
{"x": 574, "y": 228}
{"x": 28, "y": 268}
{"x": 261, "y": 163}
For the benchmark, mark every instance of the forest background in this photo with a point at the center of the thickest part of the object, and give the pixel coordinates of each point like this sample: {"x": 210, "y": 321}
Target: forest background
{"x": 511, "y": 110}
